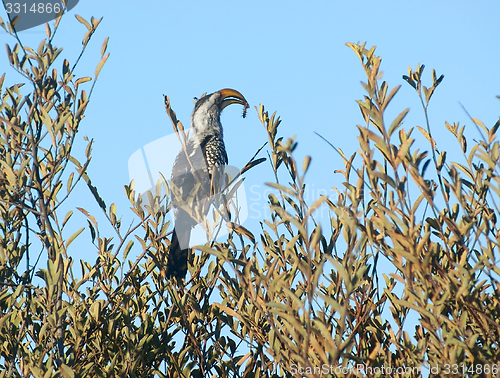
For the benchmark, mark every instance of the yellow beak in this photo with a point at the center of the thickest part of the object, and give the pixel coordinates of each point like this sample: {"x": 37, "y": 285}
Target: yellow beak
{"x": 231, "y": 96}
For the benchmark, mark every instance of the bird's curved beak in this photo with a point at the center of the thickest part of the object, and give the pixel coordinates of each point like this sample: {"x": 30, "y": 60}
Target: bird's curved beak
{"x": 231, "y": 96}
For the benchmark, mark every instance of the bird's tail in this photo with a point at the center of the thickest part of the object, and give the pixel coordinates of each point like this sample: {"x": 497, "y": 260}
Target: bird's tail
{"x": 178, "y": 258}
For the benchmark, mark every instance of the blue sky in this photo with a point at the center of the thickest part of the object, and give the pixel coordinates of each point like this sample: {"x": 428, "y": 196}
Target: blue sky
{"x": 290, "y": 56}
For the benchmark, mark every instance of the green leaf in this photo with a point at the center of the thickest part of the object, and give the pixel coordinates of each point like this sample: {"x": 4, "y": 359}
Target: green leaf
{"x": 94, "y": 191}
{"x": 82, "y": 80}
{"x": 66, "y": 371}
{"x": 92, "y": 231}
{"x": 427, "y": 136}
{"x": 74, "y": 236}
{"x": 127, "y": 250}
{"x": 83, "y": 21}
{"x": 47, "y": 121}
{"x": 100, "y": 65}
{"x": 306, "y": 163}
{"x": 398, "y": 121}
{"x": 11, "y": 177}
{"x": 281, "y": 188}
{"x": 112, "y": 211}
{"x": 104, "y": 46}
{"x": 464, "y": 169}
{"x": 390, "y": 97}
{"x": 70, "y": 182}
{"x": 441, "y": 160}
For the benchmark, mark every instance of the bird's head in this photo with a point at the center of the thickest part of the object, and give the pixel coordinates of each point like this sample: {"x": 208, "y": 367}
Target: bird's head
{"x": 206, "y": 114}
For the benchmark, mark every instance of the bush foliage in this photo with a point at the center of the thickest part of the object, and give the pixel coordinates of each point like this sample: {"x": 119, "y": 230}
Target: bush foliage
{"x": 294, "y": 298}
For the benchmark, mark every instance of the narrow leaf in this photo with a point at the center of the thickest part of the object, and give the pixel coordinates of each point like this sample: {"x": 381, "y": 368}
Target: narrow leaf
{"x": 74, "y": 236}
{"x": 100, "y": 65}
{"x": 83, "y": 21}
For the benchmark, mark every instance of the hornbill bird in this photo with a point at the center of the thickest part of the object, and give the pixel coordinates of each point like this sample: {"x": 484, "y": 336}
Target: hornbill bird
{"x": 198, "y": 173}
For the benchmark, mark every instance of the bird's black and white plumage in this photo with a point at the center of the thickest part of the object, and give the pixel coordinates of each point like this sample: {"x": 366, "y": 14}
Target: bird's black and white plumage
{"x": 198, "y": 173}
